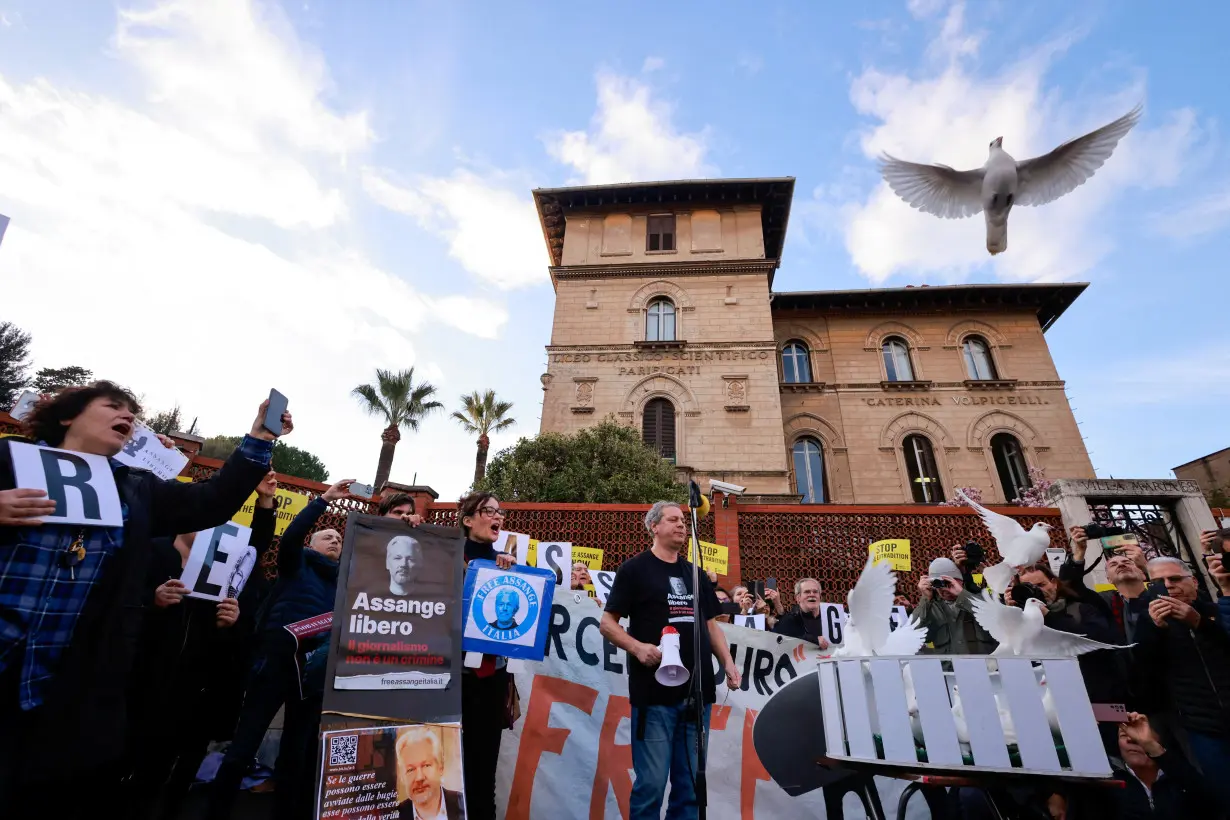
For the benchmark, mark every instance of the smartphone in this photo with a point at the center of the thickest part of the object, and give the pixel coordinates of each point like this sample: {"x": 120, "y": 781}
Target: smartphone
{"x": 730, "y": 608}
{"x": 770, "y": 583}
{"x": 757, "y": 589}
{"x": 1156, "y": 589}
{"x": 1113, "y": 544}
{"x": 273, "y": 415}
{"x": 362, "y": 490}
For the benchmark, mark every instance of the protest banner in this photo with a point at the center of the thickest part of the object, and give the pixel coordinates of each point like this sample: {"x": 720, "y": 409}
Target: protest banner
{"x": 591, "y": 557}
{"x": 507, "y": 611}
{"x": 896, "y": 551}
{"x": 570, "y": 754}
{"x": 143, "y": 451}
{"x": 715, "y": 557}
{"x": 81, "y": 484}
{"x": 557, "y": 557}
{"x": 398, "y": 617}
{"x": 391, "y": 771}
{"x": 220, "y": 562}
{"x": 286, "y": 505}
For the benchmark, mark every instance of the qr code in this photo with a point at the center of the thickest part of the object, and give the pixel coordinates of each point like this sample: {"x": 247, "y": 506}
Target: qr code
{"x": 344, "y": 750}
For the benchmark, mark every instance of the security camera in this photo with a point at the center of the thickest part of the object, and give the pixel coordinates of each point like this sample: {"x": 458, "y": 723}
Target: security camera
{"x": 729, "y": 489}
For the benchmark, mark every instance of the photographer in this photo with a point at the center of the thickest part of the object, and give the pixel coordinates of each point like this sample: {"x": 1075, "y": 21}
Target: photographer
{"x": 968, "y": 559}
{"x": 1184, "y": 650}
{"x": 945, "y": 608}
{"x": 1125, "y": 568}
{"x": 1157, "y": 782}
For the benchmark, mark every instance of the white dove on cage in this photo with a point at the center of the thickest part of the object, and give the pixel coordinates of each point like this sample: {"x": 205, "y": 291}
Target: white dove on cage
{"x": 868, "y": 631}
{"x": 1017, "y": 546}
{"x": 1003, "y": 181}
{"x": 1023, "y": 631}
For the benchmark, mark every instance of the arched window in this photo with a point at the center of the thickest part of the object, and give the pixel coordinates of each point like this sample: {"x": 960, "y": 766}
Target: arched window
{"x": 1011, "y": 466}
{"x": 658, "y": 427}
{"x": 660, "y": 321}
{"x": 796, "y": 364}
{"x": 920, "y": 467}
{"x": 978, "y": 362}
{"x": 897, "y": 365}
{"x": 809, "y": 471}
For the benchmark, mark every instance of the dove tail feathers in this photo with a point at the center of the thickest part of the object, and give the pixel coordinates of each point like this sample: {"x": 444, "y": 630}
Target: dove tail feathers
{"x": 997, "y": 235}
{"x": 999, "y": 576}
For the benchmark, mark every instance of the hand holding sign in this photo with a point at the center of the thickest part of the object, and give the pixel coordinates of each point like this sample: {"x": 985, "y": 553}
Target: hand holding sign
{"x": 170, "y": 593}
{"x": 228, "y": 612}
{"x": 24, "y": 508}
{"x": 81, "y": 485}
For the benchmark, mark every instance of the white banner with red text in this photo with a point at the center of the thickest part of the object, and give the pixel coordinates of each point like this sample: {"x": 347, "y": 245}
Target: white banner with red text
{"x": 570, "y": 755}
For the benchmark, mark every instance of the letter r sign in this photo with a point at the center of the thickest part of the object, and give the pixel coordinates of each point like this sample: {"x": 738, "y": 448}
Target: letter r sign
{"x": 81, "y": 485}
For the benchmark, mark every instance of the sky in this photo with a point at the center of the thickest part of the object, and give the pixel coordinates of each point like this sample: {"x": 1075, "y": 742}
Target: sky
{"x": 210, "y": 198}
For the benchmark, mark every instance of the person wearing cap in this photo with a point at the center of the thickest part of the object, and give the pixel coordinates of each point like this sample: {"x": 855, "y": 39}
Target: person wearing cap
{"x": 945, "y": 608}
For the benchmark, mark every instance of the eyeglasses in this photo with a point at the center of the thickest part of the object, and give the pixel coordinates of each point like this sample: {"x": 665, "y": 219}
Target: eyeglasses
{"x": 491, "y": 512}
{"x": 1173, "y": 579}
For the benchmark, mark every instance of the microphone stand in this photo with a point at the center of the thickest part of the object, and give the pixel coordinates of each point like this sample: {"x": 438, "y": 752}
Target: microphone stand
{"x": 698, "y": 686}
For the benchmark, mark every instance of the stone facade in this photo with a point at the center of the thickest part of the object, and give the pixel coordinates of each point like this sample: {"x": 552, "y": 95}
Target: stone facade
{"x": 1211, "y": 473}
{"x": 737, "y": 415}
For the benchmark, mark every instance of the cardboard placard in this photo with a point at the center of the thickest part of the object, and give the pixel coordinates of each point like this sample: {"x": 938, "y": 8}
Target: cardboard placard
{"x": 603, "y": 581}
{"x": 833, "y": 622}
{"x": 220, "y": 562}
{"x": 1055, "y": 557}
{"x": 515, "y": 543}
{"x": 143, "y": 451}
{"x": 286, "y": 505}
{"x": 507, "y": 611}
{"x": 715, "y": 557}
{"x": 590, "y": 556}
{"x": 896, "y": 551}
{"x": 750, "y": 621}
{"x": 81, "y": 484}
{"x": 556, "y": 555}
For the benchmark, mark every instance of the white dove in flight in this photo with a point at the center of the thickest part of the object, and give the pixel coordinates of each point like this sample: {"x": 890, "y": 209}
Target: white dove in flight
{"x": 1022, "y": 631}
{"x": 868, "y": 631}
{"x": 1003, "y": 181}
{"x": 1017, "y": 546}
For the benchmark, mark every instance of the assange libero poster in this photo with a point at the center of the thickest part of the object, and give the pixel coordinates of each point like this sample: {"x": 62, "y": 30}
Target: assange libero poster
{"x": 397, "y": 622}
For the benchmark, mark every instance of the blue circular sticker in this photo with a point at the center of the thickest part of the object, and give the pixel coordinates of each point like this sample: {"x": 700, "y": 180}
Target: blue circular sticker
{"x": 513, "y": 611}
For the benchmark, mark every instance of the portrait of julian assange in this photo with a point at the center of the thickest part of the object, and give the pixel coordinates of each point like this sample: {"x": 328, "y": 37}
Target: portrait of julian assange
{"x": 429, "y": 778}
{"x": 403, "y": 558}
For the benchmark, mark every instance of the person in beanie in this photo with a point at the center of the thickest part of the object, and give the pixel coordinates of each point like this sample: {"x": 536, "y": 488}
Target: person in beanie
{"x": 945, "y": 608}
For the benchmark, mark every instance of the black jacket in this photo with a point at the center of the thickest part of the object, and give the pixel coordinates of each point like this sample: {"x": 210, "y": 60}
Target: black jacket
{"x": 307, "y": 580}
{"x": 453, "y": 807}
{"x": 798, "y": 624}
{"x": 85, "y": 708}
{"x": 1191, "y": 669}
{"x": 1180, "y": 793}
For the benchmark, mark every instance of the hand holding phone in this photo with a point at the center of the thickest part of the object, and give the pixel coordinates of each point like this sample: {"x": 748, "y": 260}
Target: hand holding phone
{"x": 770, "y": 583}
{"x": 274, "y": 411}
{"x": 361, "y": 490}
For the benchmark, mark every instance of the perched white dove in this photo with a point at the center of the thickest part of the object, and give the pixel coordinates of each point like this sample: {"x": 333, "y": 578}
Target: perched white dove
{"x": 870, "y": 605}
{"x": 1003, "y": 181}
{"x": 1017, "y": 546}
{"x": 1022, "y": 631}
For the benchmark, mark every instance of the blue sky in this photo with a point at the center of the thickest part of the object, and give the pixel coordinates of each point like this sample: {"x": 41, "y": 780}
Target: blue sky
{"x": 295, "y": 194}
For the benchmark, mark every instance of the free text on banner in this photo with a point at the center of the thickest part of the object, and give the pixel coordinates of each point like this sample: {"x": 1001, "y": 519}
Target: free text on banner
{"x": 287, "y": 504}
{"x": 896, "y": 551}
{"x": 716, "y": 557}
{"x": 569, "y": 754}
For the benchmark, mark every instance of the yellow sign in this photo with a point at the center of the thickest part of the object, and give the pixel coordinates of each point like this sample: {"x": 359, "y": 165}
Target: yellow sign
{"x": 286, "y": 503}
{"x": 977, "y": 576}
{"x": 590, "y": 556}
{"x": 1104, "y": 587}
{"x": 531, "y": 555}
{"x": 896, "y": 551}
{"x": 713, "y": 557}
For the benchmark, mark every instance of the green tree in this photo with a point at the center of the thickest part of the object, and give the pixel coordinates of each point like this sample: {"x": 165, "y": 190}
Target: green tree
{"x": 604, "y": 464}
{"x": 166, "y": 421}
{"x": 14, "y": 363}
{"x": 480, "y": 415}
{"x": 402, "y": 404}
{"x": 51, "y": 379}
{"x": 287, "y": 459}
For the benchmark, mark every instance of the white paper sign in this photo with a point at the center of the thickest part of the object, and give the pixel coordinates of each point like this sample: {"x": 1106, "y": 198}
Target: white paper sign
{"x": 833, "y": 622}
{"x": 557, "y": 557}
{"x": 217, "y": 566}
{"x": 1055, "y": 557}
{"x": 82, "y": 485}
{"x": 25, "y": 403}
{"x": 519, "y": 539}
{"x": 603, "y": 581}
{"x": 145, "y": 452}
{"x": 898, "y": 617}
{"x": 750, "y": 621}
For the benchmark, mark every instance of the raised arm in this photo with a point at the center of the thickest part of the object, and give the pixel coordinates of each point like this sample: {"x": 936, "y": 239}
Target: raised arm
{"x": 290, "y": 548}
{"x": 265, "y": 516}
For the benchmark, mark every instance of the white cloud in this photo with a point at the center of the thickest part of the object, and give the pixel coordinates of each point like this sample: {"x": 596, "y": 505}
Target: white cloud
{"x": 751, "y": 63}
{"x": 491, "y": 229}
{"x": 1202, "y": 216}
{"x": 193, "y": 245}
{"x": 631, "y": 138}
{"x": 652, "y": 64}
{"x": 949, "y": 115}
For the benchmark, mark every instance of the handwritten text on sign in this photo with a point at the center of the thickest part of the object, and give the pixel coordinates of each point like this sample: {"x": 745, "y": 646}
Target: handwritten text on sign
{"x": 81, "y": 484}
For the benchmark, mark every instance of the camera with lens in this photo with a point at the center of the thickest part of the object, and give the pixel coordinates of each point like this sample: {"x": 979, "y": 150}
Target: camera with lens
{"x": 1022, "y": 592}
{"x": 974, "y": 555}
{"x": 1095, "y": 531}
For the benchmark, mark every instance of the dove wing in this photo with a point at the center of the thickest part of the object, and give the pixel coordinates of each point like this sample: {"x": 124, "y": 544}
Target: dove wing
{"x": 905, "y": 640}
{"x": 934, "y": 189}
{"x": 1003, "y": 529}
{"x": 1053, "y": 642}
{"x": 1046, "y": 178}
{"x": 1003, "y": 622}
{"x": 870, "y": 603}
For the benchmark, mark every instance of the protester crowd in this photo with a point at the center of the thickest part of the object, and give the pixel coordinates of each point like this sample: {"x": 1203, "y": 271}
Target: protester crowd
{"x": 114, "y": 682}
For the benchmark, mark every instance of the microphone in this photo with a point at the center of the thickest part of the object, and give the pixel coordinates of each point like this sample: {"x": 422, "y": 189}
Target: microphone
{"x": 671, "y": 671}
{"x": 697, "y": 501}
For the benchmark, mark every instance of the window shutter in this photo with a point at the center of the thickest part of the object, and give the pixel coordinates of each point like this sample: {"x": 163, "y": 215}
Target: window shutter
{"x": 650, "y": 425}
{"x": 667, "y": 429}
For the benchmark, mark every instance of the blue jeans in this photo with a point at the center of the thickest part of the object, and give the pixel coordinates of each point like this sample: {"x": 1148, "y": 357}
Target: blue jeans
{"x": 668, "y": 748}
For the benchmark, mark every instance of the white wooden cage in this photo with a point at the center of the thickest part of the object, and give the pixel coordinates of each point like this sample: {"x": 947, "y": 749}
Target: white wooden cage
{"x": 963, "y": 713}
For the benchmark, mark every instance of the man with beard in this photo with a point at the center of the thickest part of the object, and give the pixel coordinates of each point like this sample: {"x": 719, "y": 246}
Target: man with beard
{"x": 803, "y": 621}
{"x": 401, "y": 558}
{"x": 507, "y": 602}
{"x": 420, "y": 765}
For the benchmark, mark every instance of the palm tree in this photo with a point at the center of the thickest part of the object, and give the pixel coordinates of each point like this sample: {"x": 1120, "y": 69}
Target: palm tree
{"x": 480, "y": 415}
{"x": 402, "y": 404}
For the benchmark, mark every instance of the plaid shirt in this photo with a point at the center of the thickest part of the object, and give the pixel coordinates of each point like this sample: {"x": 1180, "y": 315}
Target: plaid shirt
{"x": 41, "y": 597}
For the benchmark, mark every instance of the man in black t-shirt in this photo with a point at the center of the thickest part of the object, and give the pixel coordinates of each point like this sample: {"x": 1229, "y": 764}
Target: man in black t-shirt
{"x": 654, "y": 591}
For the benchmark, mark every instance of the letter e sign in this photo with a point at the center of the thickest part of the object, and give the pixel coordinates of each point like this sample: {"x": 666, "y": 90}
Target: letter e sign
{"x": 81, "y": 485}
{"x": 211, "y": 564}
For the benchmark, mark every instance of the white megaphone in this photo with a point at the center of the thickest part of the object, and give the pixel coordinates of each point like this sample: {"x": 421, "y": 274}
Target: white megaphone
{"x": 671, "y": 671}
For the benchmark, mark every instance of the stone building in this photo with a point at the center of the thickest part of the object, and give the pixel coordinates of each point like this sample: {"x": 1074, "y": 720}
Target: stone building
{"x": 665, "y": 317}
{"x": 1211, "y": 473}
